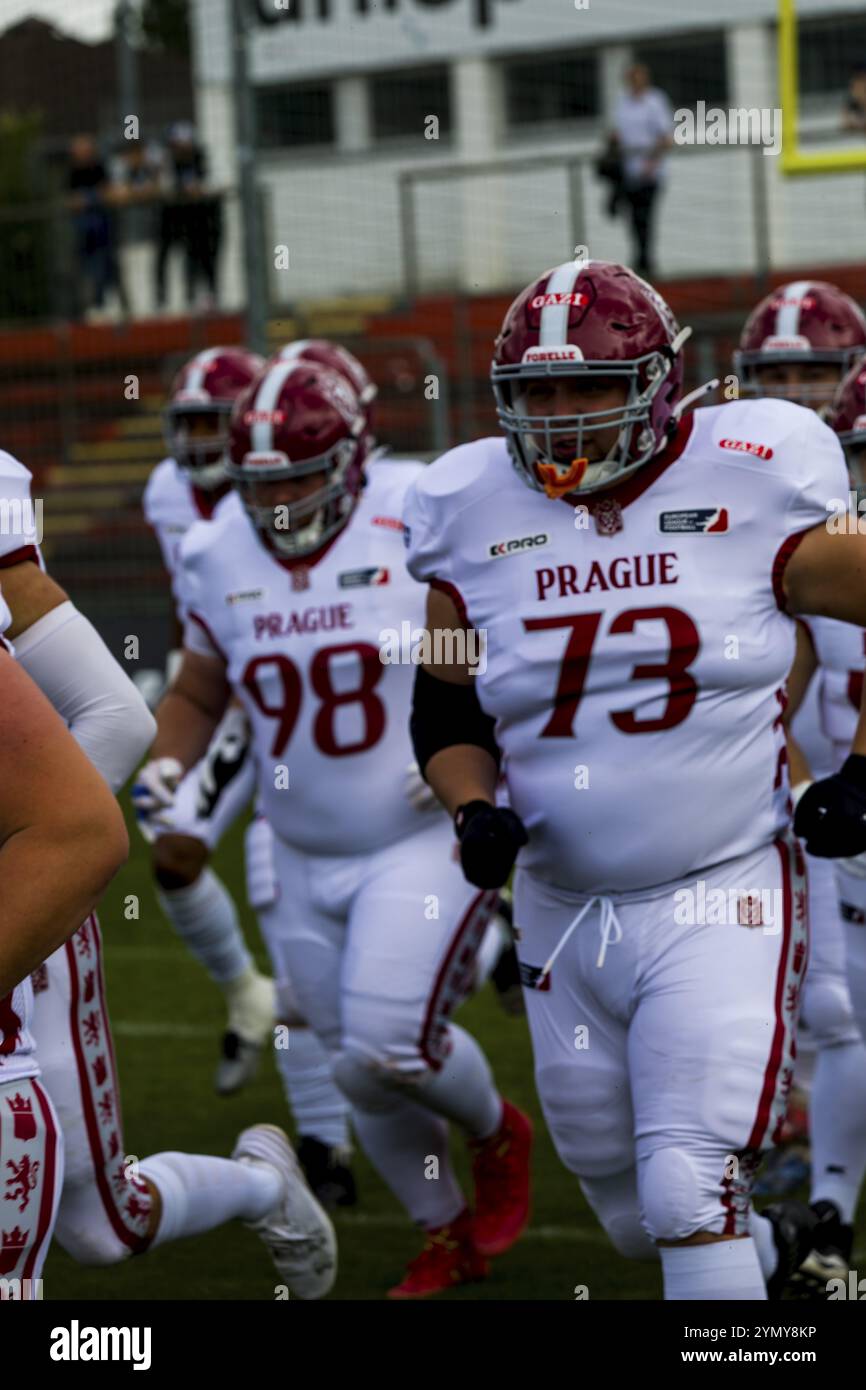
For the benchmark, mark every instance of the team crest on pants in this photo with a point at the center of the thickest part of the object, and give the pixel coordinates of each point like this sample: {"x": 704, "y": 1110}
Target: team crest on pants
{"x": 24, "y": 1179}
{"x": 749, "y": 910}
{"x": 12, "y": 1244}
{"x": 79, "y": 1019}
{"x": 22, "y": 1114}
{"x": 28, "y": 1175}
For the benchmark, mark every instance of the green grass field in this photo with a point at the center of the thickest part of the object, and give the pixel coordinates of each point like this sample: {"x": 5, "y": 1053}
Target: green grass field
{"x": 167, "y": 1019}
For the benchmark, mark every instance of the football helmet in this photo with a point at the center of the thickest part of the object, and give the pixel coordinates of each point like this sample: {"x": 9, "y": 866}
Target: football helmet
{"x": 205, "y": 389}
{"x": 806, "y": 321}
{"x": 588, "y": 319}
{"x": 847, "y": 416}
{"x": 848, "y": 413}
{"x": 297, "y": 419}
{"x": 339, "y": 359}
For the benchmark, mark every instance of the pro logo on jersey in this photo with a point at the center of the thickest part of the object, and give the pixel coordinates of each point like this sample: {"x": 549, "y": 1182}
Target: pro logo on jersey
{"x": 499, "y": 549}
{"x": 362, "y": 579}
{"x": 707, "y": 521}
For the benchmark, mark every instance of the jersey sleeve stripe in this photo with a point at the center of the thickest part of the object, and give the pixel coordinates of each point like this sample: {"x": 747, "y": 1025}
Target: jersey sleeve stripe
{"x": 446, "y": 587}
{"x": 17, "y": 557}
{"x": 208, "y": 634}
{"x": 780, "y": 564}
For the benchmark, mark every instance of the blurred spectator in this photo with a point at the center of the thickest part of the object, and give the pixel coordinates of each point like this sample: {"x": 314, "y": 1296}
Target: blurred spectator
{"x": 138, "y": 173}
{"x": 854, "y": 113}
{"x": 643, "y": 130}
{"x": 140, "y": 170}
{"x": 189, "y": 217}
{"x": 90, "y": 193}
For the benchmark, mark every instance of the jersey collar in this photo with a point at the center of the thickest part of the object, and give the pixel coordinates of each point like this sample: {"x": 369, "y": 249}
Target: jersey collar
{"x": 633, "y": 487}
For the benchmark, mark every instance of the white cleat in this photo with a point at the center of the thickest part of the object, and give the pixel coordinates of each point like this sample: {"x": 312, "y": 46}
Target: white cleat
{"x": 297, "y": 1231}
{"x": 252, "y": 1013}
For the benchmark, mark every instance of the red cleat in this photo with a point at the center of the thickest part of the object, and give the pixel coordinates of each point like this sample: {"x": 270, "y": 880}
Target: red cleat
{"x": 449, "y": 1258}
{"x": 500, "y": 1167}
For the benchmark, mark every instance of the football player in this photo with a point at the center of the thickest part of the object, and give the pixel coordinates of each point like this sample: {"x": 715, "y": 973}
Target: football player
{"x": 290, "y": 596}
{"x": 839, "y": 654}
{"x": 833, "y": 654}
{"x": 110, "y": 1208}
{"x": 797, "y": 345}
{"x": 496, "y": 959}
{"x": 799, "y": 342}
{"x": 634, "y": 570}
{"x": 60, "y": 829}
{"x": 191, "y": 485}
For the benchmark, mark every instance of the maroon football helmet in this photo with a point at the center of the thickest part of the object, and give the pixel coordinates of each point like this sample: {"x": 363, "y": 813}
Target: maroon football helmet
{"x": 806, "y": 322}
{"x": 204, "y": 391}
{"x": 847, "y": 417}
{"x": 588, "y": 319}
{"x": 298, "y": 418}
{"x": 338, "y": 358}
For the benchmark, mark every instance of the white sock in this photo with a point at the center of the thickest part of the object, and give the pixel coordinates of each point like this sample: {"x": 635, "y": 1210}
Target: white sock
{"x": 319, "y": 1109}
{"x": 463, "y": 1090}
{"x": 199, "y": 1192}
{"x": 205, "y": 918}
{"x": 408, "y": 1146}
{"x": 838, "y": 1127}
{"x": 761, "y": 1231}
{"x": 723, "y": 1271}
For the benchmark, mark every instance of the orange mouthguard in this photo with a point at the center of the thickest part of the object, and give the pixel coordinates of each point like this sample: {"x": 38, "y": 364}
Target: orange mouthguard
{"x": 555, "y": 482}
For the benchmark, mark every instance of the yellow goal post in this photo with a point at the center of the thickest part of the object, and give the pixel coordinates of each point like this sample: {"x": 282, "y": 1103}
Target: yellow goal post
{"x": 792, "y": 159}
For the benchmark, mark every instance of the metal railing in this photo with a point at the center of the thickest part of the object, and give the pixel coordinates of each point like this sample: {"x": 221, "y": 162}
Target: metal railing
{"x": 584, "y": 227}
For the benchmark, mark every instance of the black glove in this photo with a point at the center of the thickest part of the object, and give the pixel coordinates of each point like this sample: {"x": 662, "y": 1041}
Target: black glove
{"x": 490, "y": 837}
{"x": 831, "y": 814}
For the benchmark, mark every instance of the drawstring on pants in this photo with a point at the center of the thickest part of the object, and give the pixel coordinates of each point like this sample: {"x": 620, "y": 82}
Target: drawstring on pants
{"x": 609, "y": 927}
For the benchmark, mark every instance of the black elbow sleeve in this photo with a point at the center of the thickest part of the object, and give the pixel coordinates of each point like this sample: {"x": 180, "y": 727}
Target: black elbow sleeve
{"x": 444, "y": 715}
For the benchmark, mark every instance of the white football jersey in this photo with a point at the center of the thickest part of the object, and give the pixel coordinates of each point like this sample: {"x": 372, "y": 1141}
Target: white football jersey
{"x": 19, "y": 514}
{"x": 841, "y": 652}
{"x": 636, "y": 647}
{"x": 303, "y": 647}
{"x": 171, "y": 505}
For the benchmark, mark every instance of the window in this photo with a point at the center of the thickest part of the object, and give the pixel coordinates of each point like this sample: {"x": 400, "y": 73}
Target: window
{"x": 296, "y": 115}
{"x": 551, "y": 88}
{"x": 402, "y": 101}
{"x": 827, "y": 52}
{"x": 689, "y": 69}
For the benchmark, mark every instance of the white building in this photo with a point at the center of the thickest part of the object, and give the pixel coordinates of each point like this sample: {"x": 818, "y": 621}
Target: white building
{"x": 354, "y": 95}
